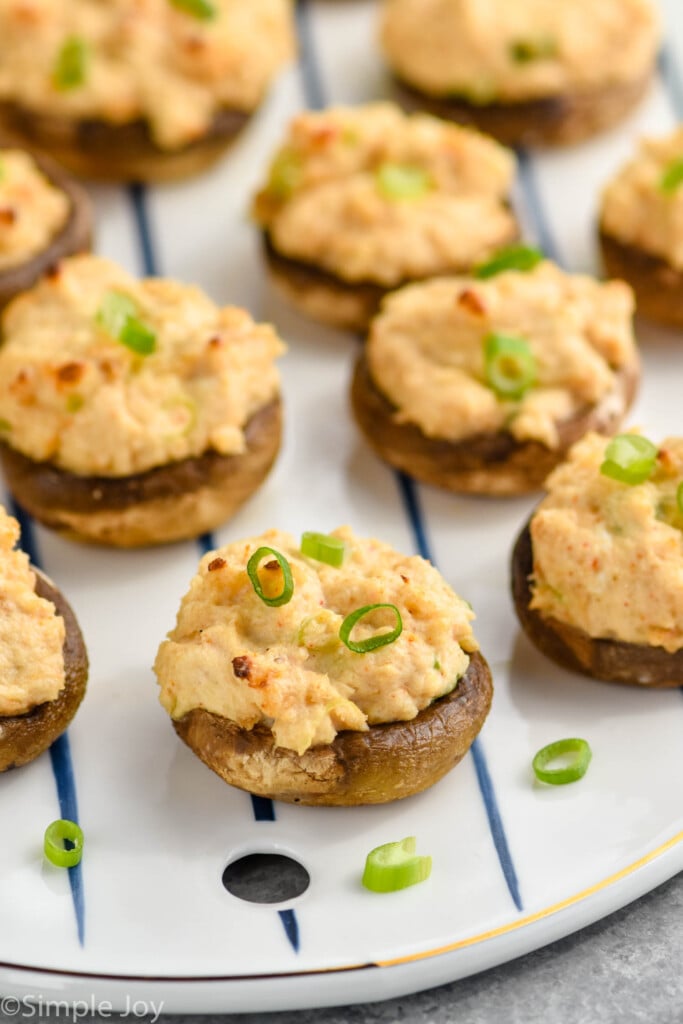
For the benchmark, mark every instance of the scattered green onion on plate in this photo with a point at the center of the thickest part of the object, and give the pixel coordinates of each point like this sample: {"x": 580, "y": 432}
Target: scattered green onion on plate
{"x": 573, "y": 757}
{"x": 63, "y": 843}
{"x": 395, "y": 866}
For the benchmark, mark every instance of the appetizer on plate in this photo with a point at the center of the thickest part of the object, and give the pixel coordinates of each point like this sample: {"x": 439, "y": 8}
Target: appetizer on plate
{"x": 125, "y": 90}
{"x": 598, "y": 571}
{"x": 481, "y": 384}
{"x": 40, "y": 691}
{"x": 641, "y": 227}
{"x": 335, "y": 672}
{"x": 361, "y": 200}
{"x": 133, "y": 412}
{"x": 526, "y": 71}
{"x": 44, "y": 216}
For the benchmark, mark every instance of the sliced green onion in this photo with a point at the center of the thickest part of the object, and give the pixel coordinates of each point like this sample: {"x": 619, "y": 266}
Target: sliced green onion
{"x": 138, "y": 337}
{"x": 512, "y": 257}
{"x": 324, "y": 548}
{"x": 629, "y": 458}
{"x": 204, "y": 10}
{"x": 114, "y": 310}
{"x": 523, "y": 51}
{"x": 285, "y": 175}
{"x": 395, "y": 866}
{"x": 574, "y": 755}
{"x": 372, "y": 642}
{"x": 287, "y": 582}
{"x": 63, "y": 843}
{"x": 74, "y": 403}
{"x": 672, "y": 177}
{"x": 5, "y": 425}
{"x": 509, "y": 365}
{"x": 117, "y": 315}
{"x": 679, "y": 498}
{"x": 71, "y": 66}
{"x": 403, "y": 181}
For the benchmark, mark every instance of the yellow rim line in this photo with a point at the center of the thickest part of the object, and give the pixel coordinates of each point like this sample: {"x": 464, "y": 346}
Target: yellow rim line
{"x": 540, "y": 914}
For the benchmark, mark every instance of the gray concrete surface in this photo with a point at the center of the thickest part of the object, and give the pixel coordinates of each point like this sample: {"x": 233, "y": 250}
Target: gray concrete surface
{"x": 626, "y": 969}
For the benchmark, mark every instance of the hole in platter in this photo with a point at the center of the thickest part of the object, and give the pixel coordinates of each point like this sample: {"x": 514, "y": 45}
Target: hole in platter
{"x": 266, "y": 878}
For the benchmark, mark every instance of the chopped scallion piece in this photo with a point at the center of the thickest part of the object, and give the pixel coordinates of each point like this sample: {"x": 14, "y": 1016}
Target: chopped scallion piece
{"x": 509, "y": 365}
{"x": 574, "y": 756}
{"x": 74, "y": 403}
{"x": 63, "y": 843}
{"x": 672, "y": 177}
{"x": 138, "y": 337}
{"x": 523, "y": 51}
{"x": 371, "y": 643}
{"x": 512, "y": 257}
{"x": 5, "y": 425}
{"x": 71, "y": 66}
{"x": 117, "y": 315}
{"x": 403, "y": 181}
{"x": 285, "y": 174}
{"x": 395, "y": 866}
{"x": 285, "y": 596}
{"x": 323, "y": 548}
{"x": 204, "y": 10}
{"x": 629, "y": 458}
{"x": 679, "y": 498}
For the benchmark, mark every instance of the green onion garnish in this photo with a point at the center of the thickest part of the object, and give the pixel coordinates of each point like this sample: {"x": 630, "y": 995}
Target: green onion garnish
{"x": 117, "y": 315}
{"x": 509, "y": 365}
{"x": 402, "y": 181}
{"x": 372, "y": 642}
{"x": 523, "y": 51}
{"x": 71, "y": 66}
{"x": 205, "y": 10}
{"x": 285, "y": 175}
{"x": 5, "y": 425}
{"x": 287, "y": 582}
{"x": 323, "y": 548}
{"x": 74, "y": 403}
{"x": 672, "y": 177}
{"x": 629, "y": 458}
{"x": 574, "y": 755}
{"x": 679, "y": 497}
{"x": 138, "y": 337}
{"x": 395, "y": 866}
{"x": 63, "y": 843}
{"x": 512, "y": 257}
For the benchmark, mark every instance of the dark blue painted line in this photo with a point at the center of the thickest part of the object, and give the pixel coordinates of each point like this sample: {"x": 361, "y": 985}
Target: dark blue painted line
{"x": 316, "y": 97}
{"x": 264, "y": 810}
{"x": 291, "y": 926}
{"x": 60, "y": 751}
{"x": 532, "y": 195}
{"x": 313, "y": 87}
{"x": 62, "y": 768}
{"x": 671, "y": 79}
{"x": 138, "y": 196}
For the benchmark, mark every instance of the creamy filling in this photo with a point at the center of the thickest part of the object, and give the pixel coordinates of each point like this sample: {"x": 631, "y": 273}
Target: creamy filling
{"x": 104, "y": 374}
{"x": 286, "y": 667}
{"x": 32, "y": 210}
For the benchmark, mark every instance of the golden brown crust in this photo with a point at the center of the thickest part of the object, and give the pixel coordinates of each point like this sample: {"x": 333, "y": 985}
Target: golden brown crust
{"x": 489, "y": 464}
{"x": 172, "y": 502}
{"x": 608, "y": 660}
{"x": 109, "y": 152}
{"x": 555, "y": 121}
{"x": 74, "y": 237}
{"x": 386, "y": 763}
{"x": 657, "y": 285}
{"x": 24, "y": 737}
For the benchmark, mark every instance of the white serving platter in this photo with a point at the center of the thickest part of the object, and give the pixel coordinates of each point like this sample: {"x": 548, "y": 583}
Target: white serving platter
{"x": 146, "y": 918}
